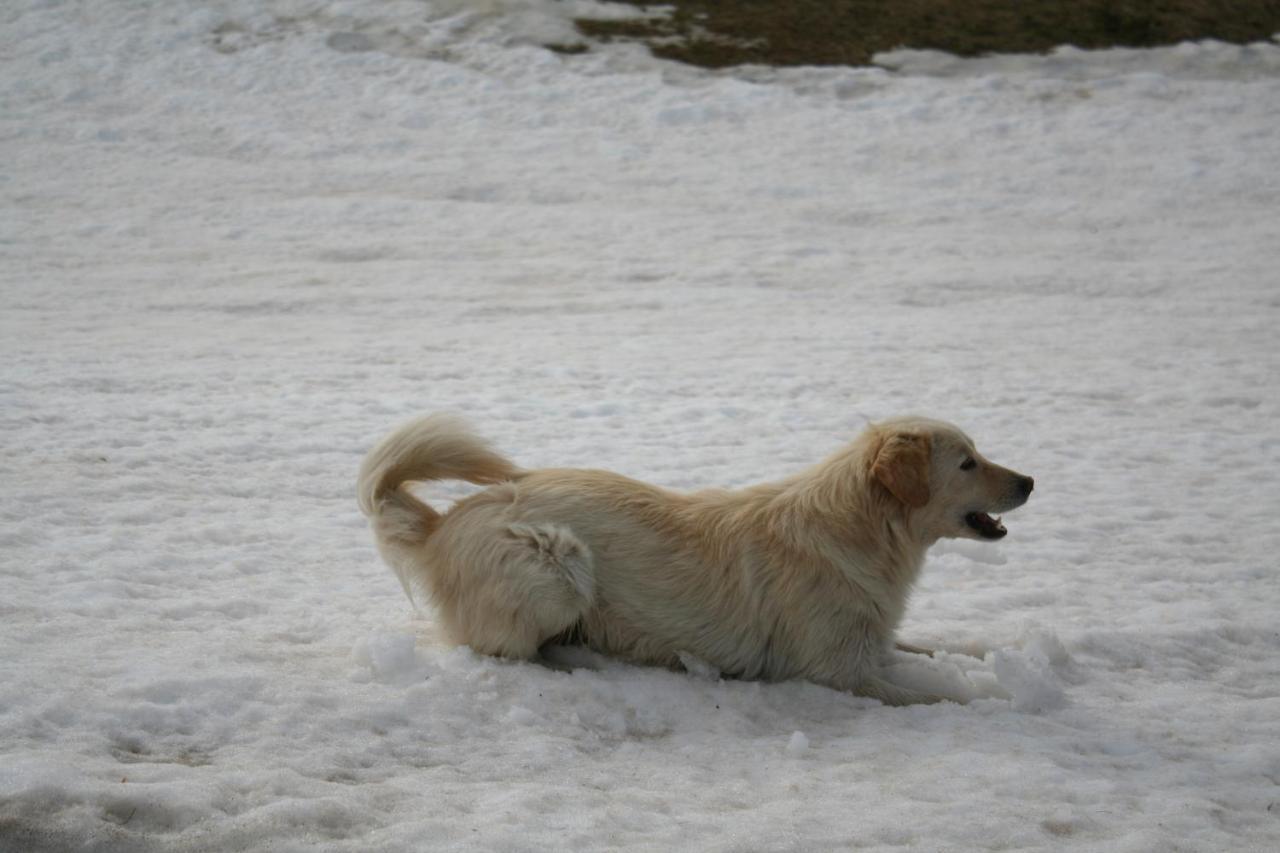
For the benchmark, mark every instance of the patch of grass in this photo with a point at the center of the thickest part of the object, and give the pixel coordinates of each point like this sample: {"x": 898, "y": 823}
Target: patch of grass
{"x": 719, "y": 33}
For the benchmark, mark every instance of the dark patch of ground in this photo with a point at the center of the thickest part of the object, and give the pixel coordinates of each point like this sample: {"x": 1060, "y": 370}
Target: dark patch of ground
{"x": 719, "y": 33}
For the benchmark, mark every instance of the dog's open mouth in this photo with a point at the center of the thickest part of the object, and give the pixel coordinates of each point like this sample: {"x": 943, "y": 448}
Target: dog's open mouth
{"x": 985, "y": 526}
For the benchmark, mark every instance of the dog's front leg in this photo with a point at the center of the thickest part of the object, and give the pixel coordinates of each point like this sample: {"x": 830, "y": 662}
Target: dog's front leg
{"x": 859, "y": 670}
{"x": 875, "y": 687}
{"x": 866, "y": 681}
{"x": 913, "y": 650}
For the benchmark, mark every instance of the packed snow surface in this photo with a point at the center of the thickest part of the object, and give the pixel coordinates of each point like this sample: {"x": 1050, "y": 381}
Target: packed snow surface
{"x": 242, "y": 240}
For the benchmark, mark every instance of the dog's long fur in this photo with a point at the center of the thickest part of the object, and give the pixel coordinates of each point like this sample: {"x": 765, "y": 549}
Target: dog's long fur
{"x": 804, "y": 578}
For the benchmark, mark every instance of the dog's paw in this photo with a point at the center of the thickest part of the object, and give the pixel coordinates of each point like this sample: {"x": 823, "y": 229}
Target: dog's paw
{"x": 913, "y": 650}
{"x": 697, "y": 667}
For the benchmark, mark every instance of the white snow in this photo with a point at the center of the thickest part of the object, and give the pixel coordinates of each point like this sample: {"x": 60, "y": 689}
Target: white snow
{"x": 241, "y": 240}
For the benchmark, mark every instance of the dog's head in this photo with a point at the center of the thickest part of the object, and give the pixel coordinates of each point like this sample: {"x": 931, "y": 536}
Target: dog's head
{"x": 934, "y": 471}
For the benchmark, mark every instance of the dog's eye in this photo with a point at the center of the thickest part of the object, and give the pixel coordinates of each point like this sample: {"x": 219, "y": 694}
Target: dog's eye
{"x": 968, "y": 464}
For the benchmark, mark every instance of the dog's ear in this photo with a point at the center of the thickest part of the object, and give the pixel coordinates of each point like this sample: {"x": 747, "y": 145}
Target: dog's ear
{"x": 902, "y": 467}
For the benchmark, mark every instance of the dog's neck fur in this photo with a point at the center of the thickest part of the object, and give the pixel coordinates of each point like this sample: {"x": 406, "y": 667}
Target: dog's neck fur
{"x": 818, "y": 505}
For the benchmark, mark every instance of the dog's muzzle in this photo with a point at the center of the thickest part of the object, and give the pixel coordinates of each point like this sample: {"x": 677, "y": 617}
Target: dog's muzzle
{"x": 989, "y": 527}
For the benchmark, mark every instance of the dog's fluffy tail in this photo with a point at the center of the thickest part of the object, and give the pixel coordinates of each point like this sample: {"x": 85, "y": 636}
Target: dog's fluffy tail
{"x": 437, "y": 447}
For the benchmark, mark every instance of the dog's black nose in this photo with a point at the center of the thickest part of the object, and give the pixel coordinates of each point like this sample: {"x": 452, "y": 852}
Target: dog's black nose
{"x": 1026, "y": 484}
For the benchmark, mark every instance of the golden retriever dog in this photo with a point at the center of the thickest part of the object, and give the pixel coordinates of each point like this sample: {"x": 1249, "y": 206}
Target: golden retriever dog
{"x": 804, "y": 578}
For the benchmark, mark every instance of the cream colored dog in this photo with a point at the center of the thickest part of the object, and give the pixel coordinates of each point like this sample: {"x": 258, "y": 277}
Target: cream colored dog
{"x": 804, "y": 578}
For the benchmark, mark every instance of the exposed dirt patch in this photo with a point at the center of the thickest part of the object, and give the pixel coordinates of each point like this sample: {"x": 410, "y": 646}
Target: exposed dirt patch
{"x": 719, "y": 33}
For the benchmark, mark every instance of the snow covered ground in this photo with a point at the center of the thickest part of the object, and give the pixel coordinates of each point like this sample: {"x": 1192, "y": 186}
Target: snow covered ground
{"x": 242, "y": 240}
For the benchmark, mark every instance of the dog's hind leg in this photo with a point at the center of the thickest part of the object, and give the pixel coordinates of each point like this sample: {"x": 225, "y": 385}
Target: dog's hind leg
{"x": 539, "y": 581}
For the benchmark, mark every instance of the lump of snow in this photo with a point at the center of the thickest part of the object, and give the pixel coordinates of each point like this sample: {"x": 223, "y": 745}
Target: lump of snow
{"x": 1029, "y": 680}
{"x": 1044, "y": 646}
{"x": 390, "y": 657}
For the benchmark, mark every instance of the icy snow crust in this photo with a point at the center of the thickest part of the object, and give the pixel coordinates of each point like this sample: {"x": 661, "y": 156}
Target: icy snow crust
{"x": 243, "y": 240}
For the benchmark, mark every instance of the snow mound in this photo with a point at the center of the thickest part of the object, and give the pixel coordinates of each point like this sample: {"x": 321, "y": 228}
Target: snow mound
{"x": 1028, "y": 680}
{"x": 388, "y": 657}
